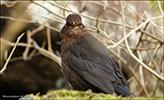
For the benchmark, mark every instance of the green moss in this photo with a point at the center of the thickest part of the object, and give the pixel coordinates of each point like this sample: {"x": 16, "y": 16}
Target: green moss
{"x": 81, "y": 95}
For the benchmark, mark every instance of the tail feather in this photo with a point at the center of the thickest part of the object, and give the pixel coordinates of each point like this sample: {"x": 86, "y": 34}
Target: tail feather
{"x": 123, "y": 91}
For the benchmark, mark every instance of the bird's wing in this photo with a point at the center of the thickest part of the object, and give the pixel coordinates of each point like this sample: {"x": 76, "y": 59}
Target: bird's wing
{"x": 96, "y": 74}
{"x": 91, "y": 60}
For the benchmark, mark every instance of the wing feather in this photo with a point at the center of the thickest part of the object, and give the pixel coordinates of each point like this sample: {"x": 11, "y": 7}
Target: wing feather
{"x": 95, "y": 74}
{"x": 90, "y": 59}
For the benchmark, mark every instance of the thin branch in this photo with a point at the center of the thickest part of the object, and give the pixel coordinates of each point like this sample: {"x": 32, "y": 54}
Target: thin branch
{"x": 141, "y": 72}
{"x": 127, "y": 44}
{"x": 91, "y": 18}
{"x": 138, "y": 81}
{"x": 48, "y": 18}
{"x": 133, "y": 10}
{"x": 137, "y": 28}
{"x": 141, "y": 36}
{"x": 29, "y": 34}
{"x": 49, "y": 38}
{"x": 21, "y": 58}
{"x": 47, "y": 53}
{"x": 12, "y": 4}
{"x": 28, "y": 21}
{"x": 5, "y": 66}
{"x": 13, "y": 44}
{"x": 97, "y": 22}
{"x": 130, "y": 67}
{"x": 153, "y": 62}
{"x": 47, "y": 9}
{"x": 25, "y": 53}
{"x": 104, "y": 11}
{"x": 152, "y": 36}
{"x": 153, "y": 22}
{"x": 155, "y": 51}
{"x": 132, "y": 55}
{"x": 159, "y": 7}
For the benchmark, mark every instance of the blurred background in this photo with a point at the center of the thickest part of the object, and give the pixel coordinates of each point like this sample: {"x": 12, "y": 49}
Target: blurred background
{"x": 35, "y": 65}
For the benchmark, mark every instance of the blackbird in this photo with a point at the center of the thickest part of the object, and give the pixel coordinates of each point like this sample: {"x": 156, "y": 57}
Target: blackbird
{"x": 86, "y": 62}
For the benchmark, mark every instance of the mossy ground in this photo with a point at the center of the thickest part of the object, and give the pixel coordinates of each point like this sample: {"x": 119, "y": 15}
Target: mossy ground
{"x": 83, "y": 95}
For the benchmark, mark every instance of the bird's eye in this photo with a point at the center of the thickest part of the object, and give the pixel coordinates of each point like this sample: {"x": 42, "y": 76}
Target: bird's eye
{"x": 79, "y": 24}
{"x": 67, "y": 23}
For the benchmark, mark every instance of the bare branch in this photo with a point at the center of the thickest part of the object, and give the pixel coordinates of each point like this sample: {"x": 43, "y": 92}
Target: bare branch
{"x": 49, "y": 38}
{"x": 27, "y": 21}
{"x": 159, "y": 7}
{"x": 5, "y": 66}
{"x": 47, "y": 53}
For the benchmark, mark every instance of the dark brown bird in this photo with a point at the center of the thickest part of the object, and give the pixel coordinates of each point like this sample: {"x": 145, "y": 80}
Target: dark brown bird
{"x": 86, "y": 62}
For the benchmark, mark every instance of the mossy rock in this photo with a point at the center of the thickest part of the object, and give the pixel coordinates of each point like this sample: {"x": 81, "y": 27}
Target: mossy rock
{"x": 79, "y": 95}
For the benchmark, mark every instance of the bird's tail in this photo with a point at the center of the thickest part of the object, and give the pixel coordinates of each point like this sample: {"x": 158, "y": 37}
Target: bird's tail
{"x": 124, "y": 92}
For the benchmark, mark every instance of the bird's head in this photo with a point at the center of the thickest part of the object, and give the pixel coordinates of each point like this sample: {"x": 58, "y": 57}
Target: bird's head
{"x": 73, "y": 27}
{"x": 73, "y": 20}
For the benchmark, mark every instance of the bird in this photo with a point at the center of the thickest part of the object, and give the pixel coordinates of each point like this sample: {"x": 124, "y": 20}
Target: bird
{"x": 86, "y": 62}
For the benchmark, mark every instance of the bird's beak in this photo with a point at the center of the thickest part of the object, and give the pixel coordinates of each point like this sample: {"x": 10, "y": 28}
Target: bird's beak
{"x": 74, "y": 24}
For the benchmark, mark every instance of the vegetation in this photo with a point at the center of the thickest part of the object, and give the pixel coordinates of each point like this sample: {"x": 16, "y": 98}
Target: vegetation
{"x": 80, "y": 95}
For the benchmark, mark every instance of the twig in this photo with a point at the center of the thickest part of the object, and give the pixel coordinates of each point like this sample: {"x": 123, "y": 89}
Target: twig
{"x": 48, "y": 37}
{"x": 11, "y": 3}
{"x": 141, "y": 36}
{"x": 48, "y": 18}
{"x": 152, "y": 36}
{"x": 44, "y": 41}
{"x": 25, "y": 53}
{"x": 21, "y": 58}
{"x": 159, "y": 7}
{"x": 5, "y": 66}
{"x": 138, "y": 81}
{"x": 139, "y": 91}
{"x": 97, "y": 22}
{"x": 83, "y": 4}
{"x": 47, "y": 53}
{"x": 153, "y": 22}
{"x": 27, "y": 21}
{"x": 141, "y": 69}
{"x": 134, "y": 11}
{"x": 133, "y": 56}
{"x": 37, "y": 30}
{"x": 108, "y": 6}
{"x": 141, "y": 49}
{"x": 47, "y": 9}
{"x": 126, "y": 42}
{"x": 153, "y": 62}
{"x": 148, "y": 20}
{"x": 65, "y": 7}
{"x": 129, "y": 66}
{"x": 105, "y": 35}
{"x": 91, "y": 18}
{"x": 150, "y": 63}
{"x": 133, "y": 48}
{"x": 13, "y": 44}
{"x": 156, "y": 87}
{"x": 119, "y": 57}
{"x": 31, "y": 54}
{"x": 29, "y": 34}
{"x": 130, "y": 79}
{"x": 104, "y": 11}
